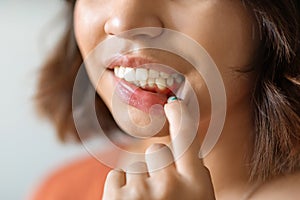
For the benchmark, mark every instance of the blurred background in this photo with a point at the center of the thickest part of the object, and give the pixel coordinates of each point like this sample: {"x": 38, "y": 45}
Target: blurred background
{"x": 29, "y": 149}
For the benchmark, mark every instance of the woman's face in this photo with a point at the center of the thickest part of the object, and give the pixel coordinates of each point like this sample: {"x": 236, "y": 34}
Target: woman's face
{"x": 225, "y": 28}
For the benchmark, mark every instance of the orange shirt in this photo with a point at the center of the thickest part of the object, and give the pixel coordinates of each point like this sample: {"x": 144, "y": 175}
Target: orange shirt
{"x": 81, "y": 180}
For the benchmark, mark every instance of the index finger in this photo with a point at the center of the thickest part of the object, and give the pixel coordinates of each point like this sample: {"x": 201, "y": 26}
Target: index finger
{"x": 184, "y": 134}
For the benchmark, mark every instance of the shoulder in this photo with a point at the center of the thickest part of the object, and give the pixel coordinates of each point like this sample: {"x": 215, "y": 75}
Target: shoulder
{"x": 286, "y": 187}
{"x": 79, "y": 180}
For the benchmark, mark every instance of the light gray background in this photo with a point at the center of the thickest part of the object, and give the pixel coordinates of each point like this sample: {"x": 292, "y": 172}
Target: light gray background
{"x": 29, "y": 148}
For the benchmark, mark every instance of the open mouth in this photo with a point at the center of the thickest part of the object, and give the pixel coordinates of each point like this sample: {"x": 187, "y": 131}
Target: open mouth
{"x": 150, "y": 79}
{"x": 146, "y": 85}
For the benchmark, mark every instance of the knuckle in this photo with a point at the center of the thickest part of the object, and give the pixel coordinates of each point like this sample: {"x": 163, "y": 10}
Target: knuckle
{"x": 119, "y": 196}
{"x": 137, "y": 191}
{"x": 135, "y": 194}
{"x": 112, "y": 195}
{"x": 165, "y": 195}
{"x": 167, "y": 189}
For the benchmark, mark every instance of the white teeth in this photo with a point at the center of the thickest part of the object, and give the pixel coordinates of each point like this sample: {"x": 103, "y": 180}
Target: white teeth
{"x": 170, "y": 81}
{"x": 175, "y": 76}
{"x": 137, "y": 83}
{"x": 129, "y": 74}
{"x": 153, "y": 74}
{"x": 161, "y": 83}
{"x": 143, "y": 84}
{"x": 151, "y": 82}
{"x": 179, "y": 79}
{"x": 161, "y": 87}
{"x": 164, "y": 75}
{"x": 116, "y": 70}
{"x": 142, "y": 77}
{"x": 121, "y": 72}
{"x": 141, "y": 74}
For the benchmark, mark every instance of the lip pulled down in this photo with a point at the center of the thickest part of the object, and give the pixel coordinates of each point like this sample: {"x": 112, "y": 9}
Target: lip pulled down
{"x": 143, "y": 83}
{"x": 140, "y": 98}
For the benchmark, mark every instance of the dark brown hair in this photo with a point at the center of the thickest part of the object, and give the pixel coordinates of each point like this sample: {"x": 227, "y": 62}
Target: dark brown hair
{"x": 275, "y": 96}
{"x": 277, "y": 92}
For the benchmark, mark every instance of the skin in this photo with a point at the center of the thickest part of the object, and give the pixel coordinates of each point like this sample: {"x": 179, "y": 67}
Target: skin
{"x": 225, "y": 30}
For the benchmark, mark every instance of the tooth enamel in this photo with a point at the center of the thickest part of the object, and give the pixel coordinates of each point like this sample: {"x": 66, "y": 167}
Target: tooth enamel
{"x": 175, "y": 75}
{"x": 151, "y": 82}
{"x": 164, "y": 75}
{"x": 143, "y": 84}
{"x": 161, "y": 87}
{"x": 129, "y": 74}
{"x": 170, "y": 81}
{"x": 141, "y": 74}
{"x": 136, "y": 83}
{"x": 116, "y": 71}
{"x": 121, "y": 72}
{"x": 153, "y": 73}
{"x": 161, "y": 83}
{"x": 179, "y": 79}
{"x": 143, "y": 78}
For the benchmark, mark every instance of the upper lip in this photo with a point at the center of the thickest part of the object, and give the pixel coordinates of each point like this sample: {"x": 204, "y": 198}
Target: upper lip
{"x": 139, "y": 62}
{"x": 129, "y": 61}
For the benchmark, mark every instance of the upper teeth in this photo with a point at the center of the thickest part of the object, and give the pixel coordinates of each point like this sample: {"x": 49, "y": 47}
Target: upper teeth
{"x": 142, "y": 77}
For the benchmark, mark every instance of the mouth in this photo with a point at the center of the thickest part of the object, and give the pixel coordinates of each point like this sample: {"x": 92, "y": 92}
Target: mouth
{"x": 143, "y": 84}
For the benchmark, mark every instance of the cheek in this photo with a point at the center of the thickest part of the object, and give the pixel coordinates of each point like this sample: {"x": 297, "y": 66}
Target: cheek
{"x": 228, "y": 37}
{"x": 225, "y": 29}
{"x": 89, "y": 21}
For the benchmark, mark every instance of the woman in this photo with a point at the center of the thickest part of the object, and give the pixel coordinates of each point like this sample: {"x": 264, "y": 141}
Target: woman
{"x": 255, "y": 45}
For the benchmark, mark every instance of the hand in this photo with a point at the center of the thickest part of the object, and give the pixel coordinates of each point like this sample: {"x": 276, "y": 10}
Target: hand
{"x": 186, "y": 178}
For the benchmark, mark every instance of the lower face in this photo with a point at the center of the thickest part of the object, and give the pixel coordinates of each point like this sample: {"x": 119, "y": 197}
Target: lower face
{"x": 134, "y": 88}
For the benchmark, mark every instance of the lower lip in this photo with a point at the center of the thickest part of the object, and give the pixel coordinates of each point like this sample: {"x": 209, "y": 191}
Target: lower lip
{"x": 139, "y": 98}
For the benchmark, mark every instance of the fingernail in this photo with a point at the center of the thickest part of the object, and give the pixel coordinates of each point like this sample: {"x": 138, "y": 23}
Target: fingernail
{"x": 172, "y": 99}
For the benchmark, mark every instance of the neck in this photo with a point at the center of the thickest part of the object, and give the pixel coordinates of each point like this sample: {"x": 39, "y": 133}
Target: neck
{"x": 228, "y": 161}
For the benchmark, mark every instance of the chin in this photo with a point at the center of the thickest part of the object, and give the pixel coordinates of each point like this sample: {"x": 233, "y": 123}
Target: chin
{"x": 138, "y": 123}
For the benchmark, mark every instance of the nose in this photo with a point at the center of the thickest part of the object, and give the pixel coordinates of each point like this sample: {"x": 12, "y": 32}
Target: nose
{"x": 134, "y": 14}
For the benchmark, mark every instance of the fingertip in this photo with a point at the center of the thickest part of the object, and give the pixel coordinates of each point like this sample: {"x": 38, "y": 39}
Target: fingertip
{"x": 158, "y": 156}
{"x": 115, "y": 178}
{"x": 115, "y": 173}
{"x": 172, "y": 99}
{"x": 154, "y": 147}
{"x": 172, "y": 105}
